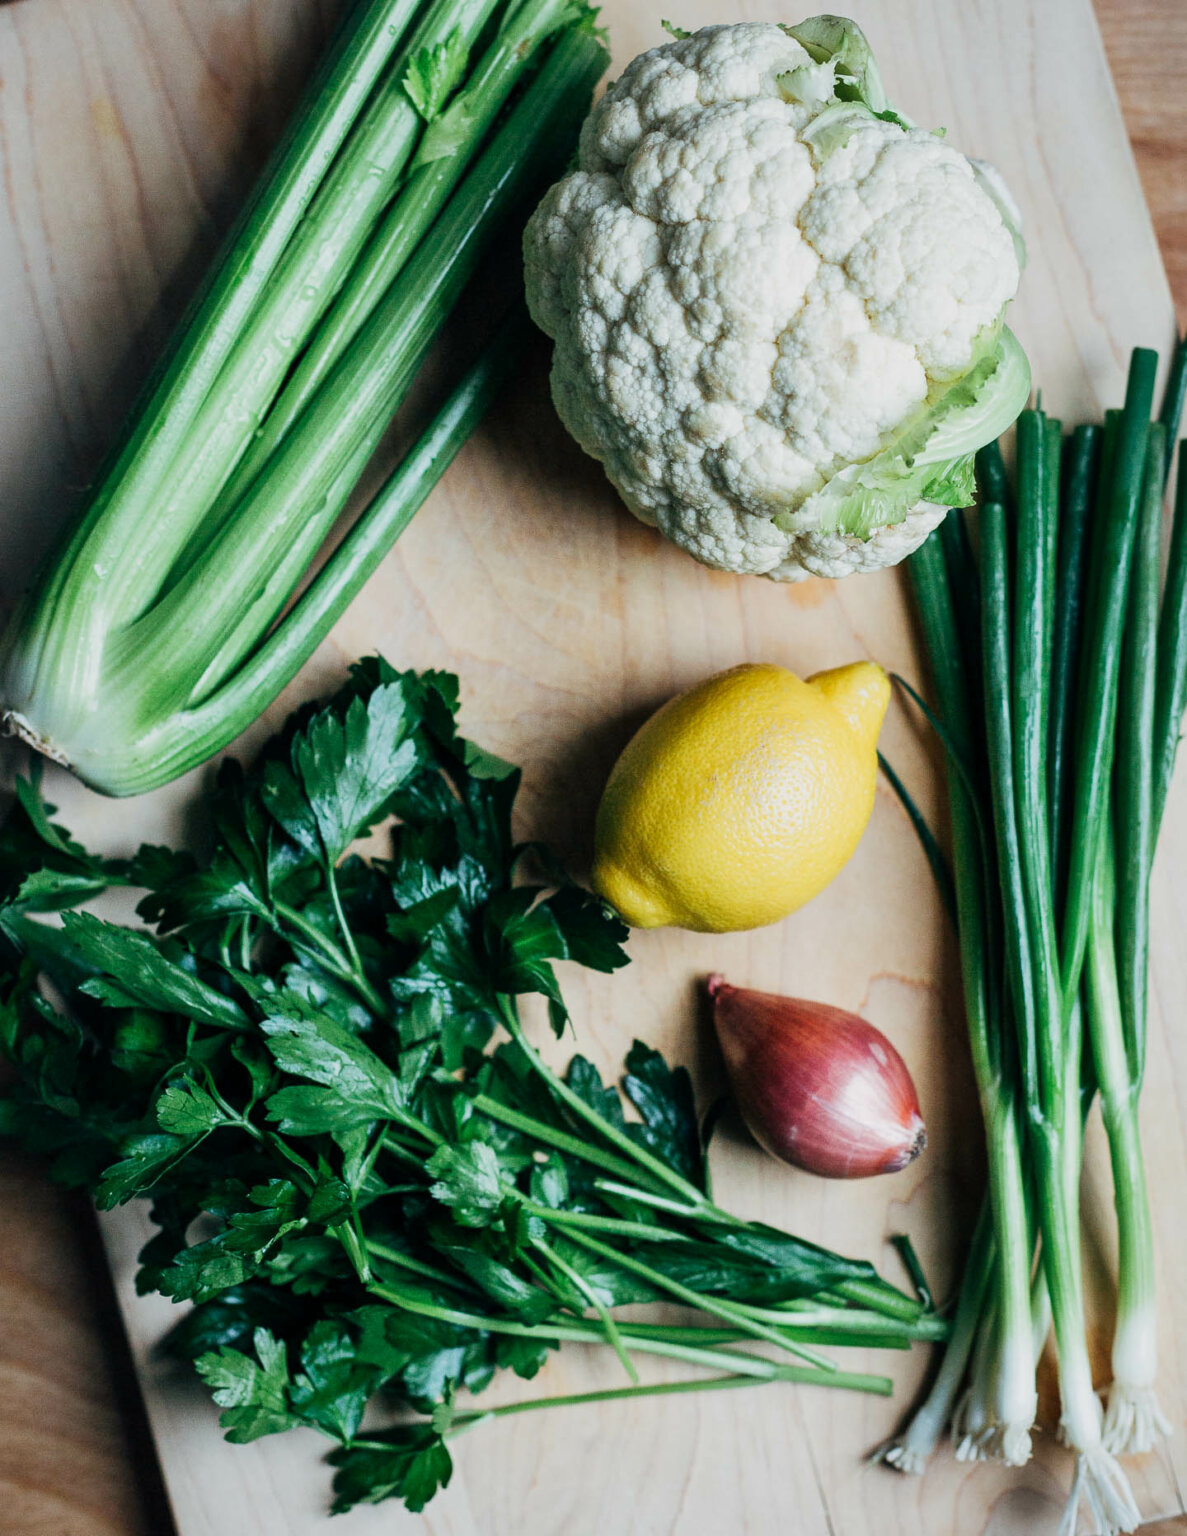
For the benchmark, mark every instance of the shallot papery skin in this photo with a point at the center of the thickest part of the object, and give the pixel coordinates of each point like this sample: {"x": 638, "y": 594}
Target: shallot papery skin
{"x": 817, "y": 1086}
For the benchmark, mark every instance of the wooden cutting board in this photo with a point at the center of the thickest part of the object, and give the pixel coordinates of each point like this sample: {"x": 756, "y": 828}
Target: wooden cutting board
{"x": 128, "y": 128}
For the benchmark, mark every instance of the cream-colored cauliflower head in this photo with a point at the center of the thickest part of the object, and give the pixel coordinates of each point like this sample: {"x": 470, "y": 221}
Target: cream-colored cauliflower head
{"x": 776, "y": 313}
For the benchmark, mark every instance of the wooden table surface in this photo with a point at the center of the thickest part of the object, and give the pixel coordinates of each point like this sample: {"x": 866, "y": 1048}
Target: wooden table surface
{"x": 75, "y": 1454}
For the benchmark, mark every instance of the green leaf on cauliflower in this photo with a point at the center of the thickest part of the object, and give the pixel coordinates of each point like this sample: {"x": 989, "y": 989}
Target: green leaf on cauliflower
{"x": 840, "y": 44}
{"x": 931, "y": 457}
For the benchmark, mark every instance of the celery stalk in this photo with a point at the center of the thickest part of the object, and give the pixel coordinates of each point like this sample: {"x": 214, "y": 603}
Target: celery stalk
{"x": 237, "y": 588}
{"x": 319, "y": 257}
{"x": 451, "y": 141}
{"x": 146, "y": 529}
{"x": 215, "y": 659}
{"x": 55, "y": 640}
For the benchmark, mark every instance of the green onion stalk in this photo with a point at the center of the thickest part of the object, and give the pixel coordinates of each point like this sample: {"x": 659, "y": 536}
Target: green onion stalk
{"x": 1151, "y": 694}
{"x": 1146, "y": 738}
{"x": 157, "y": 634}
{"x": 1116, "y": 1033}
{"x": 1019, "y": 569}
{"x": 945, "y": 1406}
{"x": 1062, "y": 777}
{"x": 1000, "y": 1423}
{"x": 969, "y": 1416}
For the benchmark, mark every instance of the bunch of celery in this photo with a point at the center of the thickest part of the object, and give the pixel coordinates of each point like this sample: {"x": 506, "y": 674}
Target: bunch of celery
{"x": 1060, "y": 677}
{"x": 153, "y": 639}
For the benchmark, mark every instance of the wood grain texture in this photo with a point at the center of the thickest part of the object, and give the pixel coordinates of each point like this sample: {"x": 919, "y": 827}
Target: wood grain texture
{"x": 1146, "y": 43}
{"x": 128, "y": 129}
{"x": 75, "y": 1453}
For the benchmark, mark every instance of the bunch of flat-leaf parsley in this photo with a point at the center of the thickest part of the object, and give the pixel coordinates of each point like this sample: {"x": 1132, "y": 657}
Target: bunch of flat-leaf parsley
{"x": 369, "y": 1207}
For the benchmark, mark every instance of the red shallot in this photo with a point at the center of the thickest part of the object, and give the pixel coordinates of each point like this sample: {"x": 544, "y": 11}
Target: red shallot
{"x": 817, "y": 1086}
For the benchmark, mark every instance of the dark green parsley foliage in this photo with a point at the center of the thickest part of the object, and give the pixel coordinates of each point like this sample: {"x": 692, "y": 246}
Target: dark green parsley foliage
{"x": 293, "y": 1061}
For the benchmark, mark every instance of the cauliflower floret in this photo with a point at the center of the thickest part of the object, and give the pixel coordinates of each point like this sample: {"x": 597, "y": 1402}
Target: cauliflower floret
{"x": 743, "y": 305}
{"x": 837, "y": 554}
{"x": 839, "y": 386}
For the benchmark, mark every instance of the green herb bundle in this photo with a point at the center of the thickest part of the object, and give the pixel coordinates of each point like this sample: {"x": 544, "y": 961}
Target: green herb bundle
{"x": 160, "y": 629}
{"x": 1060, "y": 678}
{"x": 363, "y": 1196}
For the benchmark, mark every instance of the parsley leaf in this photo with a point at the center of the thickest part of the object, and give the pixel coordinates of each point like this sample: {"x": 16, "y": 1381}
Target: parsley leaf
{"x": 240, "y": 1250}
{"x": 409, "y": 1462}
{"x": 664, "y": 1099}
{"x": 146, "y": 1159}
{"x": 138, "y": 970}
{"x": 42, "y": 868}
{"x": 359, "y": 1085}
{"x": 331, "y": 1389}
{"x": 467, "y": 1178}
{"x": 186, "y": 1109}
{"x": 254, "y": 1392}
{"x": 344, "y": 768}
{"x": 356, "y": 1191}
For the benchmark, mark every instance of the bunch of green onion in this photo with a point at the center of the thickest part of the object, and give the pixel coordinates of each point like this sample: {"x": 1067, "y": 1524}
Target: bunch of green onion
{"x": 153, "y": 637}
{"x": 1059, "y": 665}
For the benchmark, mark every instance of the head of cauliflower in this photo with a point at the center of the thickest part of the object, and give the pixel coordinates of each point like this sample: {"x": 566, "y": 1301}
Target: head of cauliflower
{"x": 776, "y": 304}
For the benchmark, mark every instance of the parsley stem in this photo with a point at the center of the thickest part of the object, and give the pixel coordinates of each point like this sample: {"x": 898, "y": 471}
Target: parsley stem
{"x": 574, "y": 1101}
{"x": 561, "y": 1294}
{"x": 578, "y": 1332}
{"x": 661, "y": 1203}
{"x": 587, "y": 1221}
{"x": 583, "y": 1287}
{"x": 307, "y": 1176}
{"x": 390, "y": 1142}
{"x": 356, "y": 965}
{"x": 880, "y": 1296}
{"x": 244, "y": 945}
{"x": 414, "y": 1266}
{"x": 877, "y": 1295}
{"x": 842, "y": 1337}
{"x": 697, "y": 1299}
{"x": 351, "y": 1239}
{"x": 331, "y": 955}
{"x": 316, "y": 939}
{"x": 853, "y": 1381}
{"x": 804, "y": 1375}
{"x": 930, "y": 1326}
{"x": 551, "y": 1137}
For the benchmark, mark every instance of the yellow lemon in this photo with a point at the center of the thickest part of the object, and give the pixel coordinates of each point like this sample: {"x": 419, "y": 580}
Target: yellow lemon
{"x": 740, "y": 799}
